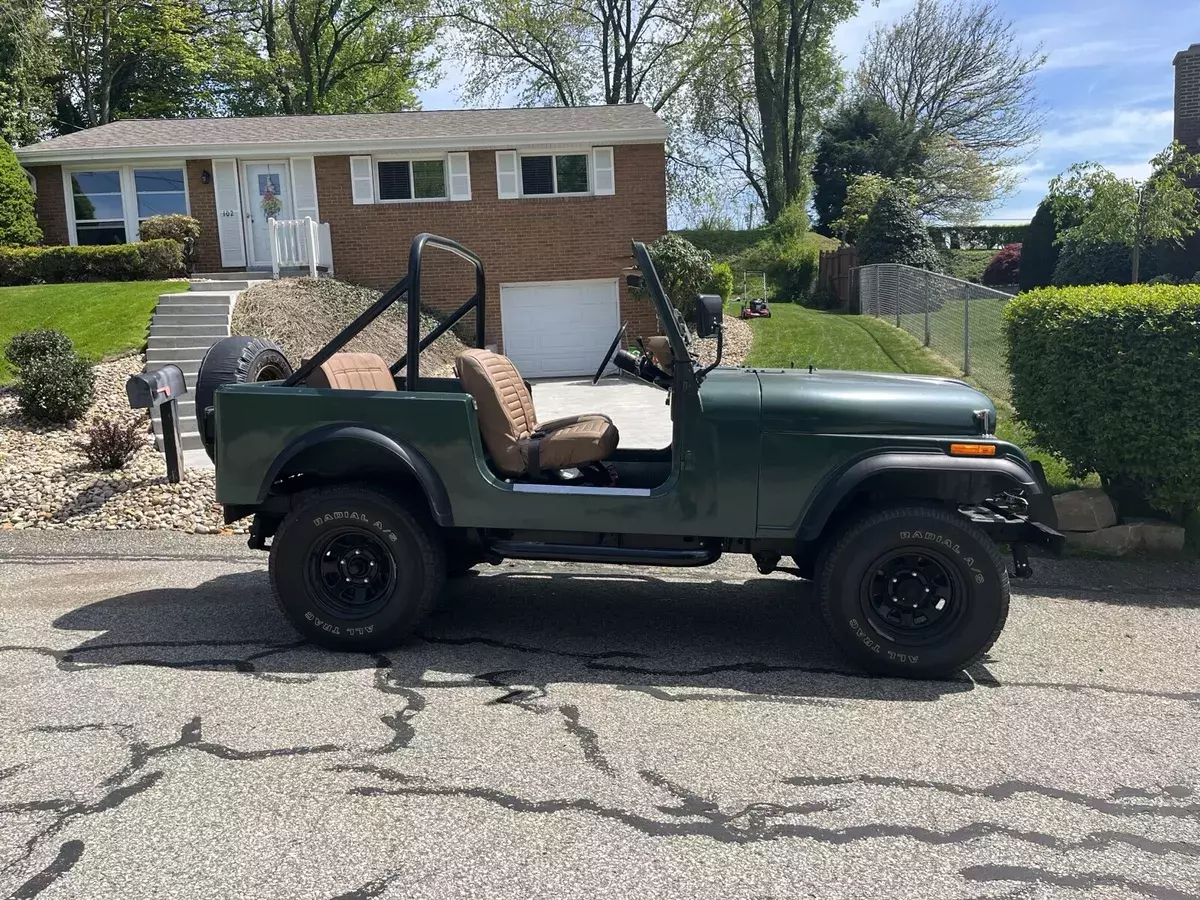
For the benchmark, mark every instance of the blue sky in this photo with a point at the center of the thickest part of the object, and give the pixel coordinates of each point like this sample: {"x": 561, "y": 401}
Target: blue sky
{"x": 1106, "y": 87}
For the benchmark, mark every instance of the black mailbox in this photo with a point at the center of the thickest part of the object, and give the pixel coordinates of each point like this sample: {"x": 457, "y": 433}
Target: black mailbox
{"x": 161, "y": 389}
{"x": 150, "y": 389}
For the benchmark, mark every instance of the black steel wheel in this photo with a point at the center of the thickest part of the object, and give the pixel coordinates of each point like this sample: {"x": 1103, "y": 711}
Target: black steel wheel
{"x": 351, "y": 573}
{"x": 913, "y": 596}
{"x": 913, "y": 592}
{"x": 354, "y": 568}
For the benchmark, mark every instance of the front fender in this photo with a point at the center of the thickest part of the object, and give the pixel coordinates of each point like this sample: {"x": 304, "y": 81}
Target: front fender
{"x": 933, "y": 476}
{"x": 355, "y": 451}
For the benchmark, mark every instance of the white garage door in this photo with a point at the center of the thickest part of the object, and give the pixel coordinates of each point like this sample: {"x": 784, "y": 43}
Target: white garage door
{"x": 558, "y": 328}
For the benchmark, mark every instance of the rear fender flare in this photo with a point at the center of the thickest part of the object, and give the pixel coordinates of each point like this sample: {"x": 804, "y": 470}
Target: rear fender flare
{"x": 379, "y": 445}
{"x": 931, "y": 476}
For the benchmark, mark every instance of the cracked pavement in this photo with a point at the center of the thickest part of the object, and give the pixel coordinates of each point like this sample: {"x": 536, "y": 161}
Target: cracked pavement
{"x": 561, "y": 731}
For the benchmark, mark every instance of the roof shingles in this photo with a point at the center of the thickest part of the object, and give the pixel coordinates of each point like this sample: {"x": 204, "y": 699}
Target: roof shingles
{"x": 462, "y": 127}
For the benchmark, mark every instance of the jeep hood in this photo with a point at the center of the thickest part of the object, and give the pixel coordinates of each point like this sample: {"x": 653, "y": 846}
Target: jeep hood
{"x": 834, "y": 402}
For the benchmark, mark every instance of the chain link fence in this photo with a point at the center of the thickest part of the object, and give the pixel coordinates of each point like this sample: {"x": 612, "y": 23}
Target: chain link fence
{"x": 957, "y": 320}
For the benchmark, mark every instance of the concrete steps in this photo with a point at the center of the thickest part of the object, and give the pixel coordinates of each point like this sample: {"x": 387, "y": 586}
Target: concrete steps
{"x": 184, "y": 326}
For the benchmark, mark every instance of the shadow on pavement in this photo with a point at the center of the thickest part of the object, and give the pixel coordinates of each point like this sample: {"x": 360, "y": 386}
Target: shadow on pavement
{"x": 763, "y": 637}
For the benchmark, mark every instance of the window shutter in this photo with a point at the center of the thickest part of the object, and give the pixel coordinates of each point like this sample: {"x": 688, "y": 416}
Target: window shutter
{"x": 304, "y": 188}
{"x": 604, "y": 179}
{"x": 460, "y": 176}
{"x": 506, "y": 175}
{"x": 362, "y": 183}
{"x": 229, "y": 213}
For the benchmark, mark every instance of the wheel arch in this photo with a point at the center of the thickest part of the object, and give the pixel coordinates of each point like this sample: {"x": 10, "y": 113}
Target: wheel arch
{"x": 341, "y": 453}
{"x": 913, "y": 477}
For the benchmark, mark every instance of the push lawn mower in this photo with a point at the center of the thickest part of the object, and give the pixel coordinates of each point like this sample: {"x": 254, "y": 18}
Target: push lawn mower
{"x": 756, "y": 308}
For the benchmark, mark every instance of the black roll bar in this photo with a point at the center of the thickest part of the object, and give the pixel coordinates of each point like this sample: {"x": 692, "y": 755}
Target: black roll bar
{"x": 410, "y": 284}
{"x": 415, "y": 342}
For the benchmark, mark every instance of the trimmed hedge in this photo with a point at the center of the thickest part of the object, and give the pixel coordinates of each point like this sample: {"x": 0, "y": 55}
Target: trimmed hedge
{"x": 1087, "y": 264}
{"x": 148, "y": 260}
{"x": 976, "y": 237}
{"x": 1107, "y": 377}
{"x": 184, "y": 229}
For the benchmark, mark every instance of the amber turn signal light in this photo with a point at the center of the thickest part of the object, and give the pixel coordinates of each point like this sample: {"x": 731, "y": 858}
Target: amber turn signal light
{"x": 972, "y": 449}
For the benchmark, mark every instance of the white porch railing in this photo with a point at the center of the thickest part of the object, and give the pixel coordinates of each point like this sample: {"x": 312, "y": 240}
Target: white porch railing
{"x": 293, "y": 242}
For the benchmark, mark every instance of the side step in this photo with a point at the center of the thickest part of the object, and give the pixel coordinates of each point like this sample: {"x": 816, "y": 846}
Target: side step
{"x": 618, "y": 555}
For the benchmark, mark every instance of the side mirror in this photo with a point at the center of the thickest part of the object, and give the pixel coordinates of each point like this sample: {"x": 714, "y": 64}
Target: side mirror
{"x": 708, "y": 315}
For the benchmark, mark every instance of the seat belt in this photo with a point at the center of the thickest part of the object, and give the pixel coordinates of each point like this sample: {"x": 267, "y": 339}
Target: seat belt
{"x": 533, "y": 459}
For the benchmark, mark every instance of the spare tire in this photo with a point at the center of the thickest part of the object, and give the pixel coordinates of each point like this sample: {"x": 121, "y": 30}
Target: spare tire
{"x": 235, "y": 360}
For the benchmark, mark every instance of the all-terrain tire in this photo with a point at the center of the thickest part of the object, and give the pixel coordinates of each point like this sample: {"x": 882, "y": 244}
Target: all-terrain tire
{"x": 922, "y": 549}
{"x": 234, "y": 360}
{"x": 354, "y": 568}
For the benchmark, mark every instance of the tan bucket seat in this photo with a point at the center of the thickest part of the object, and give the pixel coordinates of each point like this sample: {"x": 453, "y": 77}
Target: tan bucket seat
{"x": 518, "y": 443}
{"x": 353, "y": 372}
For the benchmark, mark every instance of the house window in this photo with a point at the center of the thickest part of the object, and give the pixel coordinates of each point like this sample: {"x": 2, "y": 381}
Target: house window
{"x": 99, "y": 208}
{"x": 565, "y": 173}
{"x": 107, "y": 205}
{"x": 160, "y": 192}
{"x": 417, "y": 179}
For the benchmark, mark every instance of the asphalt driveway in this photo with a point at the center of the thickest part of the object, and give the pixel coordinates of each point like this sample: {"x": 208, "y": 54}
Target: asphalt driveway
{"x": 558, "y": 731}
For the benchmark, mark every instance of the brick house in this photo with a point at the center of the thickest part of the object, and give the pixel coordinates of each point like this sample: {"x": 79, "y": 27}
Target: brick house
{"x": 549, "y": 198}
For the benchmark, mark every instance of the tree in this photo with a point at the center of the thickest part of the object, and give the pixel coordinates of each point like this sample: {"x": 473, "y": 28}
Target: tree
{"x": 18, "y": 225}
{"x": 894, "y": 233}
{"x": 124, "y": 58}
{"x": 27, "y": 70}
{"x": 326, "y": 56}
{"x": 761, "y": 100}
{"x": 960, "y": 71}
{"x": 1127, "y": 212}
{"x": 1005, "y": 267}
{"x": 579, "y": 52}
{"x": 861, "y": 196}
{"x": 954, "y": 184}
{"x": 1040, "y": 248}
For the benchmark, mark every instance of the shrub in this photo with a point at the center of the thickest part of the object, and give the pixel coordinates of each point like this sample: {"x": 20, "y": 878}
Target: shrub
{"x": 1084, "y": 264}
{"x": 1040, "y": 250}
{"x": 683, "y": 269}
{"x": 117, "y": 262}
{"x": 721, "y": 281}
{"x": 55, "y": 389}
{"x": 112, "y": 442}
{"x": 1005, "y": 267}
{"x": 18, "y": 224}
{"x": 894, "y": 233}
{"x": 795, "y": 271}
{"x": 183, "y": 229}
{"x": 791, "y": 224}
{"x": 1107, "y": 377}
{"x": 41, "y": 344}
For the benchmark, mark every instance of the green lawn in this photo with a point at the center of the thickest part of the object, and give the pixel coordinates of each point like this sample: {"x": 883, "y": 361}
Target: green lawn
{"x": 103, "y": 319}
{"x": 834, "y": 340}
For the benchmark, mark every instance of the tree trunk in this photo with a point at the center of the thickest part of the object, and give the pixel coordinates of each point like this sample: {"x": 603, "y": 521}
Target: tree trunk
{"x": 1136, "y": 257}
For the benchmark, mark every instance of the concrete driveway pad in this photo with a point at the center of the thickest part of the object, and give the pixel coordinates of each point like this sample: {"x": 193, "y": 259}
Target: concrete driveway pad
{"x": 559, "y": 731}
{"x": 639, "y": 410}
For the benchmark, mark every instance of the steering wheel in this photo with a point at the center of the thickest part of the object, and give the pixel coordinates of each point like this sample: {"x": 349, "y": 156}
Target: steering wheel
{"x": 612, "y": 349}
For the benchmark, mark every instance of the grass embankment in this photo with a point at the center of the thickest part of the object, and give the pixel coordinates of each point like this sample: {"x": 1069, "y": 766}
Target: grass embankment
{"x": 104, "y": 319}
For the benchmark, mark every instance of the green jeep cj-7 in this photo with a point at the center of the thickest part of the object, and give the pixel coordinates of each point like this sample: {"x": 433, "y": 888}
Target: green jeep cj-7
{"x": 371, "y": 483}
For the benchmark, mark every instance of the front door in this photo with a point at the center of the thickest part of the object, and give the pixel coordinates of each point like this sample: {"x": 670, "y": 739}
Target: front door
{"x": 268, "y": 196}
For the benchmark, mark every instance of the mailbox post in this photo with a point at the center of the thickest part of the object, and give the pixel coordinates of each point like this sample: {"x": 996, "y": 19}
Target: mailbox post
{"x": 161, "y": 390}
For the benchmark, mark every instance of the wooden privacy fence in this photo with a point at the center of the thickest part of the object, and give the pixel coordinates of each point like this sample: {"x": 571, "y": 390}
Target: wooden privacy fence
{"x": 833, "y": 273}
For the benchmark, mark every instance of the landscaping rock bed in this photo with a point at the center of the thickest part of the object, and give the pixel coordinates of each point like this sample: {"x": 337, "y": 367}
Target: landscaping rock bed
{"x": 738, "y": 340}
{"x": 46, "y": 482}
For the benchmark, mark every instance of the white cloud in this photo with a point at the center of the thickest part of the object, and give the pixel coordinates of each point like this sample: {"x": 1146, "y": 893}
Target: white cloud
{"x": 1099, "y": 133}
